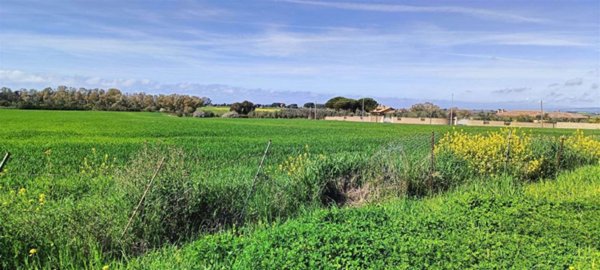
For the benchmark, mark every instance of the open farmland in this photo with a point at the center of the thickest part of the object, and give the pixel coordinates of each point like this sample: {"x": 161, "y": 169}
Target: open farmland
{"x": 74, "y": 178}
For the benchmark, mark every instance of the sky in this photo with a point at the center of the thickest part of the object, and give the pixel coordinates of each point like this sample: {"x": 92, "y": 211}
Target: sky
{"x": 487, "y": 54}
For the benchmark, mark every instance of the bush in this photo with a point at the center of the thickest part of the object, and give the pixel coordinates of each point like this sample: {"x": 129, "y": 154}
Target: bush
{"x": 585, "y": 147}
{"x": 510, "y": 151}
{"x": 244, "y": 107}
{"x": 203, "y": 114}
{"x": 504, "y": 151}
{"x": 231, "y": 115}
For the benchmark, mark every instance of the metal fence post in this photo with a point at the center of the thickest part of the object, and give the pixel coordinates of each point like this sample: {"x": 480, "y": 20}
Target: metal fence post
{"x": 148, "y": 186}
{"x": 559, "y": 153}
{"x": 251, "y": 190}
{"x": 4, "y": 160}
{"x": 432, "y": 161}
{"x": 432, "y": 151}
{"x": 507, "y": 151}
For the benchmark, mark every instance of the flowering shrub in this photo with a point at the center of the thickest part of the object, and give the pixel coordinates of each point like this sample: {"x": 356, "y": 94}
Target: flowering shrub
{"x": 583, "y": 146}
{"x": 513, "y": 152}
{"x": 491, "y": 153}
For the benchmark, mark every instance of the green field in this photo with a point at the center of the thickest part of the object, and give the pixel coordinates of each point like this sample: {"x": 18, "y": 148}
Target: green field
{"x": 74, "y": 179}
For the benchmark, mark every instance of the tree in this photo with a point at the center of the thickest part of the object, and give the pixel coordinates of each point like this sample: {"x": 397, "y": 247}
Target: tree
{"x": 427, "y": 109}
{"x": 370, "y": 104}
{"x": 292, "y": 106}
{"x": 342, "y": 103}
{"x": 244, "y": 107}
{"x": 331, "y": 102}
{"x": 309, "y": 105}
{"x": 68, "y": 98}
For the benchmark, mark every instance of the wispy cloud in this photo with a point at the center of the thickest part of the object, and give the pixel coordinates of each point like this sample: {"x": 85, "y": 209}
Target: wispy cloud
{"x": 282, "y": 45}
{"x": 511, "y": 90}
{"x": 574, "y": 82}
{"x": 474, "y": 12}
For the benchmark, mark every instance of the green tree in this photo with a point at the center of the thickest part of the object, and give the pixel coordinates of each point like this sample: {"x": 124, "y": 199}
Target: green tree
{"x": 342, "y": 103}
{"x": 244, "y": 107}
{"x": 369, "y": 103}
{"x": 427, "y": 109}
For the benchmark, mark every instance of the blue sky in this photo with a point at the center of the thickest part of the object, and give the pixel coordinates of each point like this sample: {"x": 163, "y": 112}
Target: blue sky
{"x": 488, "y": 53}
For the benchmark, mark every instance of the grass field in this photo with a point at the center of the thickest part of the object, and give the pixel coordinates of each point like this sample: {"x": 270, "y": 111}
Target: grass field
{"x": 75, "y": 178}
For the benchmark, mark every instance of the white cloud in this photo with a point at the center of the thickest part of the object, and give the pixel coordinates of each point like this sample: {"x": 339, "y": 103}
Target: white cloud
{"x": 17, "y": 76}
{"x": 515, "y": 90}
{"x": 474, "y": 12}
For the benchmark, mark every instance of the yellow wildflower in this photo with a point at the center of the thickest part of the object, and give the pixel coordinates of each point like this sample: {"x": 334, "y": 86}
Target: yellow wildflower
{"x": 42, "y": 198}
{"x": 487, "y": 153}
{"x": 105, "y": 267}
{"x": 32, "y": 252}
{"x": 22, "y": 191}
{"x": 584, "y": 145}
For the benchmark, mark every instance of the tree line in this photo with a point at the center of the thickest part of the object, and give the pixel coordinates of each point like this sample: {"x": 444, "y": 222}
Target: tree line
{"x": 68, "y": 98}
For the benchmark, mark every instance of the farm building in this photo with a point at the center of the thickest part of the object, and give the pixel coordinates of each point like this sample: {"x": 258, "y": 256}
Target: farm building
{"x": 382, "y": 110}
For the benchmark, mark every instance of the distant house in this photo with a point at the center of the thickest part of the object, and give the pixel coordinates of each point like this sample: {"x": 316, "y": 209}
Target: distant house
{"x": 382, "y": 110}
{"x": 536, "y": 114}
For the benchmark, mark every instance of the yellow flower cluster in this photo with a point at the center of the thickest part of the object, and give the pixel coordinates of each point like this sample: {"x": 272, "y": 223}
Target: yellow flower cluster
{"x": 96, "y": 166}
{"x": 42, "y": 199}
{"x": 295, "y": 165}
{"x": 584, "y": 145}
{"x": 22, "y": 199}
{"x": 489, "y": 153}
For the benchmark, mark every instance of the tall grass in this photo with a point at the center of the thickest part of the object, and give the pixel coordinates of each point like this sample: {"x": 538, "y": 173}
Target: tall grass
{"x": 498, "y": 223}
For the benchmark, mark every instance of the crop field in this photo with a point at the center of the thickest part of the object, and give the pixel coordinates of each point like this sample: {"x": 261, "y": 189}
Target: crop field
{"x": 95, "y": 189}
